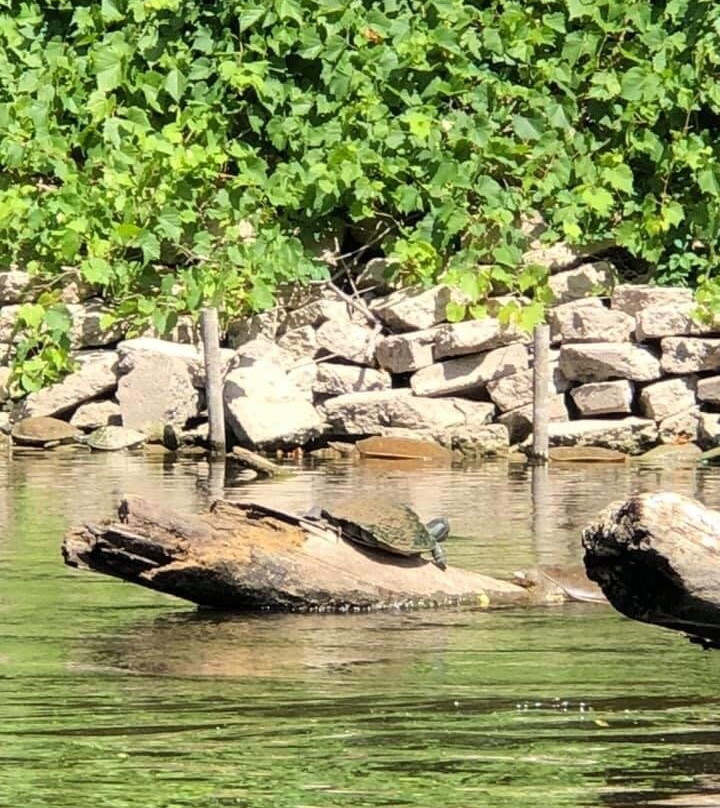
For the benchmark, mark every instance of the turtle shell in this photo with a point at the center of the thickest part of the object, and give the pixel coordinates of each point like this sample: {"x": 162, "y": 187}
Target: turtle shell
{"x": 39, "y": 430}
{"x": 390, "y": 526}
{"x": 114, "y": 438}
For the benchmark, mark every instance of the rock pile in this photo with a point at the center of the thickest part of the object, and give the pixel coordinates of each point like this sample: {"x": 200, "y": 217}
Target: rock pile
{"x": 630, "y": 369}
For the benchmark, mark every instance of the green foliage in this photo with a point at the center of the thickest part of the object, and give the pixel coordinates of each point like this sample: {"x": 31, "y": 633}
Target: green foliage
{"x": 181, "y": 152}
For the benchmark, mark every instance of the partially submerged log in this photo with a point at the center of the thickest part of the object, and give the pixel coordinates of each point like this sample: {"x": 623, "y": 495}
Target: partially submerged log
{"x": 657, "y": 559}
{"x": 247, "y": 556}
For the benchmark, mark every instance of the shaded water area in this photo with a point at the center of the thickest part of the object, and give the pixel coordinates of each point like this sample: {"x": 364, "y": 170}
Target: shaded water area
{"x": 118, "y": 697}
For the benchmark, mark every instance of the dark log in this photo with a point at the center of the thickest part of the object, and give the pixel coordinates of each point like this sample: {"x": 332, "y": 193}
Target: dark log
{"x": 657, "y": 559}
{"x": 247, "y": 556}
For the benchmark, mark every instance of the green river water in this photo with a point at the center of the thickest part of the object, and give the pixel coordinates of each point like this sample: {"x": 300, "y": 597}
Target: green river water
{"x": 117, "y": 697}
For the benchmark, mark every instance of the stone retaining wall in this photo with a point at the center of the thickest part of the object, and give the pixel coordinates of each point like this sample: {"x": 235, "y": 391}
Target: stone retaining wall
{"x": 630, "y": 369}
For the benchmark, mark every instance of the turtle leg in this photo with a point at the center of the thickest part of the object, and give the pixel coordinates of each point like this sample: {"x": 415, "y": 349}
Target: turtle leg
{"x": 439, "y": 557}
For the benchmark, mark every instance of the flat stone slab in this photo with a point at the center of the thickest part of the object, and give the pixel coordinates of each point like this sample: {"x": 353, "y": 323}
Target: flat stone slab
{"x": 708, "y": 390}
{"x": 95, "y": 414}
{"x": 604, "y": 398}
{"x": 603, "y": 361}
{"x": 404, "y": 353}
{"x": 630, "y": 435}
{"x": 690, "y": 354}
{"x": 333, "y": 379}
{"x": 96, "y": 376}
{"x": 586, "y": 454}
{"x": 516, "y": 389}
{"x": 672, "y": 319}
{"x": 670, "y": 454}
{"x": 476, "y": 336}
{"x": 403, "y": 449}
{"x": 633, "y": 298}
{"x": 519, "y": 421}
{"x": 582, "y": 321}
{"x": 467, "y": 373}
{"x": 583, "y": 281}
{"x": 351, "y": 341}
{"x": 683, "y": 427}
{"x": 662, "y": 399}
{"x": 414, "y": 309}
{"x": 17, "y": 286}
{"x": 299, "y": 343}
{"x": 370, "y": 413}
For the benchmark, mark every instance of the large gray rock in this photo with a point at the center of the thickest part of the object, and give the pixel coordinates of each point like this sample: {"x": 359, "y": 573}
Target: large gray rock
{"x": 299, "y": 343}
{"x": 671, "y": 319}
{"x": 265, "y": 408}
{"x": 467, "y": 373}
{"x": 414, "y": 309}
{"x": 586, "y": 321}
{"x": 333, "y": 379}
{"x": 586, "y": 280}
{"x": 475, "y": 336}
{"x": 708, "y": 429}
{"x": 371, "y": 413}
{"x": 261, "y": 348}
{"x": 668, "y": 397}
{"x": 683, "y": 427}
{"x": 96, "y": 376}
{"x": 16, "y": 286}
{"x": 304, "y": 375}
{"x": 351, "y": 341}
{"x": 602, "y": 361}
{"x": 316, "y": 313}
{"x": 8, "y": 318}
{"x": 159, "y": 388}
{"x": 603, "y": 398}
{"x": 96, "y": 414}
{"x": 5, "y": 374}
{"x": 632, "y": 299}
{"x": 708, "y": 390}
{"x": 245, "y": 329}
{"x": 516, "y": 390}
{"x": 88, "y": 329}
{"x": 519, "y": 421}
{"x": 690, "y": 354}
{"x": 402, "y": 353}
{"x": 631, "y": 435}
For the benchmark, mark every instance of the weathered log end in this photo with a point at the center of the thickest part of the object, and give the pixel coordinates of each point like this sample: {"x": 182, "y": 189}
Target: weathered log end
{"x": 657, "y": 559}
{"x": 247, "y": 556}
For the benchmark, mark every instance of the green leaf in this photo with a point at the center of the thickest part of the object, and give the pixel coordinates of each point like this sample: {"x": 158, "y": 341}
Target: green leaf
{"x": 31, "y": 314}
{"x": 598, "y": 199}
{"x": 175, "y": 84}
{"x": 455, "y": 312}
{"x": 95, "y": 270}
{"x": 619, "y": 177}
{"x": 108, "y": 68}
{"x": 525, "y": 128}
{"x": 58, "y": 318}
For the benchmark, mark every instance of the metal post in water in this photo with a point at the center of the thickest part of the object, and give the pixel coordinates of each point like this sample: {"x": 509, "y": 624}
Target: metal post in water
{"x": 213, "y": 380}
{"x": 541, "y": 385}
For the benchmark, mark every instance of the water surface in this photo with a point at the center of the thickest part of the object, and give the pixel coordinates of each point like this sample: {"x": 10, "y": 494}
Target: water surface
{"x": 118, "y": 697}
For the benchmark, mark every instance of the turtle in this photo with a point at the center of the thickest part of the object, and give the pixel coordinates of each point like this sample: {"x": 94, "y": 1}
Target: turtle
{"x": 389, "y": 526}
{"x": 113, "y": 438}
{"x": 44, "y": 431}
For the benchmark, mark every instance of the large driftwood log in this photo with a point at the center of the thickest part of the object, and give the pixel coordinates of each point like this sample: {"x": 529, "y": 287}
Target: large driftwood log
{"x": 657, "y": 559}
{"x": 249, "y": 557}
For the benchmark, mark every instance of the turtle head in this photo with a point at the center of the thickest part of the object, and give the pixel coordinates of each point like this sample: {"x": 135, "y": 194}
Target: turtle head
{"x": 438, "y": 528}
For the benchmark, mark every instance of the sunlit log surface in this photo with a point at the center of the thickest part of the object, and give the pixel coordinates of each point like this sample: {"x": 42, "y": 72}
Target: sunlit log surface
{"x": 244, "y": 556}
{"x": 656, "y": 558}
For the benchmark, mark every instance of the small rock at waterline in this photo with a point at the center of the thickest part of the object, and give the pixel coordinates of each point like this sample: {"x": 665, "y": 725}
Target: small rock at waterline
{"x": 114, "y": 438}
{"x": 403, "y": 449}
{"x": 42, "y": 430}
{"x": 586, "y": 454}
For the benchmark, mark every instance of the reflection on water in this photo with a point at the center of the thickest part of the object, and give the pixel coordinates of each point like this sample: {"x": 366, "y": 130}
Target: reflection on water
{"x": 111, "y": 695}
